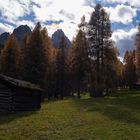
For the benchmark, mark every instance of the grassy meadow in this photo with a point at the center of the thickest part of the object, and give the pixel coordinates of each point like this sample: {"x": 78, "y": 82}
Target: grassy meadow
{"x": 116, "y": 117}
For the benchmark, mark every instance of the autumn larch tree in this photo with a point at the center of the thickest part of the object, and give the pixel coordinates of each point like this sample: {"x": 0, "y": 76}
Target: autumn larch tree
{"x": 10, "y": 57}
{"x": 51, "y": 76}
{"x": 130, "y": 76}
{"x": 36, "y": 56}
{"x": 22, "y": 59}
{"x": 119, "y": 67}
{"x": 79, "y": 62}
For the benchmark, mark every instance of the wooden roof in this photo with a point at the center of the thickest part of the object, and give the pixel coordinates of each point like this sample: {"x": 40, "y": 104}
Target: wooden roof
{"x": 20, "y": 83}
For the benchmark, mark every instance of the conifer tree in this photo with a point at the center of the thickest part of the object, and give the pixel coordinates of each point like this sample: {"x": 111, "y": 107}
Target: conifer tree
{"x": 79, "y": 62}
{"x": 100, "y": 48}
{"x": 138, "y": 53}
{"x": 119, "y": 67}
{"x": 37, "y": 56}
{"x": 51, "y": 76}
{"x": 22, "y": 59}
{"x": 10, "y": 57}
{"x": 130, "y": 76}
{"x": 61, "y": 68}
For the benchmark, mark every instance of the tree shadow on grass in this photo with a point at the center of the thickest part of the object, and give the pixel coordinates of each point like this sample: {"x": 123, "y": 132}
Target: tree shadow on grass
{"x": 8, "y": 117}
{"x": 122, "y": 114}
{"x": 124, "y": 108}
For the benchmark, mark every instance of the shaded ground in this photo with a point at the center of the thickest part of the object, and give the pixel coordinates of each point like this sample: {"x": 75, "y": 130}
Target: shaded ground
{"x": 116, "y": 117}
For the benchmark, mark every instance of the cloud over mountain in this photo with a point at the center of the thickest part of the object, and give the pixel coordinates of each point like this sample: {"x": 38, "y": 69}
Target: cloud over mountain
{"x": 125, "y": 40}
{"x": 66, "y": 15}
{"x": 122, "y": 13}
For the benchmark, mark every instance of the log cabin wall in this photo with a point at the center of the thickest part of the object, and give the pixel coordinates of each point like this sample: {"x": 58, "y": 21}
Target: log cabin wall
{"x": 25, "y": 99}
{"x": 5, "y": 96}
{"x": 18, "y": 98}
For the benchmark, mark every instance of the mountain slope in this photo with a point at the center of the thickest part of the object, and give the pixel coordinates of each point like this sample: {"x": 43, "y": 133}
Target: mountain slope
{"x": 57, "y": 36}
{"x": 21, "y": 31}
{"x": 18, "y": 32}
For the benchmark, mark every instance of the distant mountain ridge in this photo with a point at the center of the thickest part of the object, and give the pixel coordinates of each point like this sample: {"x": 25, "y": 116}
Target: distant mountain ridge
{"x": 18, "y": 32}
{"x": 22, "y": 30}
{"x": 57, "y": 36}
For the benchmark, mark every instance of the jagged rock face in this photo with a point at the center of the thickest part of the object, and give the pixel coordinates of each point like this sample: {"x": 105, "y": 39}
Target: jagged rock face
{"x": 57, "y": 36}
{"x": 3, "y": 38}
{"x": 21, "y": 31}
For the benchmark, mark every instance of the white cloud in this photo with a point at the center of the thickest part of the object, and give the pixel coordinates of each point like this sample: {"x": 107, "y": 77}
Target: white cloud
{"x": 122, "y": 14}
{"x": 91, "y": 3}
{"x": 70, "y": 16}
{"x": 60, "y": 9}
{"x": 5, "y": 28}
{"x": 13, "y": 9}
{"x": 135, "y": 3}
{"x": 69, "y": 29}
{"x": 25, "y": 22}
{"x": 124, "y": 40}
{"x": 70, "y": 12}
{"x": 43, "y": 10}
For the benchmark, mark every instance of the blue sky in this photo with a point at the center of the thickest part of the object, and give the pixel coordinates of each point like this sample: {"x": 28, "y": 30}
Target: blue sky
{"x": 66, "y": 14}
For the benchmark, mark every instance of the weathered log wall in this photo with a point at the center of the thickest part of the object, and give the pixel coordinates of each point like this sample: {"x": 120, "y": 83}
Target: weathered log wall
{"x": 16, "y": 98}
{"x": 5, "y": 99}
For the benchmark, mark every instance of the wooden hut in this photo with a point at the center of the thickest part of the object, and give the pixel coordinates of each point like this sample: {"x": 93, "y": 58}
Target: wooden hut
{"x": 18, "y": 95}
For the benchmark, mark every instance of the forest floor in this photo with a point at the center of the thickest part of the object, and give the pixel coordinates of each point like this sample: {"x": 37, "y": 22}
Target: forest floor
{"x": 116, "y": 117}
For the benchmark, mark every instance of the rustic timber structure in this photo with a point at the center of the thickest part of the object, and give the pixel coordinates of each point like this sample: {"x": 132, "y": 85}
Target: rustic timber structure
{"x": 17, "y": 95}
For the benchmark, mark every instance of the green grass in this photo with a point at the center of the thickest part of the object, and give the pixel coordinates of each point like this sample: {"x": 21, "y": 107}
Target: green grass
{"x": 116, "y": 117}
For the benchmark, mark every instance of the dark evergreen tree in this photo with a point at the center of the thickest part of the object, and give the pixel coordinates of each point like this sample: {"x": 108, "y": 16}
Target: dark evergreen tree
{"x": 119, "y": 67}
{"x": 61, "y": 68}
{"x": 100, "y": 49}
{"x": 79, "y": 62}
{"x": 130, "y": 76}
{"x": 51, "y": 78}
{"x": 138, "y": 53}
